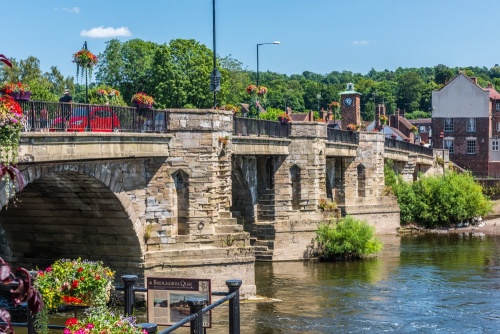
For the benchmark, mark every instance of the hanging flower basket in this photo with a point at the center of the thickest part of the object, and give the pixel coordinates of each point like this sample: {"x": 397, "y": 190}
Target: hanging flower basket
{"x": 84, "y": 59}
{"x": 142, "y": 100}
{"x": 16, "y": 90}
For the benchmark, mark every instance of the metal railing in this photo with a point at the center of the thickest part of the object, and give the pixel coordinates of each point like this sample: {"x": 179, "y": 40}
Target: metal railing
{"x": 243, "y": 126}
{"x": 59, "y": 116}
{"x": 405, "y": 146}
{"x": 342, "y": 136}
{"x": 196, "y": 308}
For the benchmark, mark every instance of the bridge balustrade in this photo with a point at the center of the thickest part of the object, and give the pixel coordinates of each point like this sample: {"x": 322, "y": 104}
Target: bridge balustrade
{"x": 405, "y": 146}
{"x": 243, "y": 126}
{"x": 342, "y": 136}
{"x": 57, "y": 116}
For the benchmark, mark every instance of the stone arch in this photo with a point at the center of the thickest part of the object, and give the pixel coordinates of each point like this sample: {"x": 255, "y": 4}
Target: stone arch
{"x": 295, "y": 178}
{"x": 86, "y": 210}
{"x": 361, "y": 176}
{"x": 181, "y": 184}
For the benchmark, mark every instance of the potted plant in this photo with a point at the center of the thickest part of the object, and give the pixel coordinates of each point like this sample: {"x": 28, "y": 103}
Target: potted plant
{"x": 72, "y": 282}
{"x": 100, "y": 320}
{"x": 262, "y": 90}
{"x": 351, "y": 127}
{"x": 84, "y": 59}
{"x": 142, "y": 100}
{"x": 251, "y": 89}
{"x": 414, "y": 130}
{"x": 17, "y": 90}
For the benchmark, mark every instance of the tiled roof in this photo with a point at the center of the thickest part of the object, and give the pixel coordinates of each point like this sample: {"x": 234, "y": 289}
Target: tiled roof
{"x": 421, "y": 121}
{"x": 299, "y": 117}
{"x": 493, "y": 93}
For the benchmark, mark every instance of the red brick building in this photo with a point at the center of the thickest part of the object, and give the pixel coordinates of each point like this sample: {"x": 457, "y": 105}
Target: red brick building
{"x": 466, "y": 121}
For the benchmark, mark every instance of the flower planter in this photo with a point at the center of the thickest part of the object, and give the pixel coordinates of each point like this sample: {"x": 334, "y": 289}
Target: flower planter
{"x": 15, "y": 96}
{"x": 141, "y": 105}
{"x": 25, "y": 96}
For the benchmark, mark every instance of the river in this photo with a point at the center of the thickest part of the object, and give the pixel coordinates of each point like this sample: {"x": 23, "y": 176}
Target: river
{"x": 419, "y": 284}
{"x": 434, "y": 283}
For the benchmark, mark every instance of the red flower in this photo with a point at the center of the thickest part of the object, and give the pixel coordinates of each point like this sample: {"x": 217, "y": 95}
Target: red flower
{"x": 71, "y": 322}
{"x": 74, "y": 285}
{"x": 80, "y": 269}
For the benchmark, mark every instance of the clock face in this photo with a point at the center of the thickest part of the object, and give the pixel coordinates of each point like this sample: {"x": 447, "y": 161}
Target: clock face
{"x": 348, "y": 101}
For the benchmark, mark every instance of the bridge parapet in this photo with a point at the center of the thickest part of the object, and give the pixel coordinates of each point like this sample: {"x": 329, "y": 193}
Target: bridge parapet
{"x": 67, "y": 146}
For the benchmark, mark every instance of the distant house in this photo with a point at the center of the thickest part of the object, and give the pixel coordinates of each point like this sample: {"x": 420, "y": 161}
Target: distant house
{"x": 466, "y": 121}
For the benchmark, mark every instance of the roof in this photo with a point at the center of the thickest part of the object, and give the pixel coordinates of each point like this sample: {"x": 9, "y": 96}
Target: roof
{"x": 421, "y": 121}
{"x": 299, "y": 117}
{"x": 493, "y": 93}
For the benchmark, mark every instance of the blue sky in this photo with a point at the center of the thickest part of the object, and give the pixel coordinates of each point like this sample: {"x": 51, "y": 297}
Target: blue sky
{"x": 320, "y": 36}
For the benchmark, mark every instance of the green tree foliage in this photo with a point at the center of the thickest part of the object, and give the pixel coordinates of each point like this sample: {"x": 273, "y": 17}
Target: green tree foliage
{"x": 177, "y": 75}
{"x": 438, "y": 200}
{"x": 346, "y": 239}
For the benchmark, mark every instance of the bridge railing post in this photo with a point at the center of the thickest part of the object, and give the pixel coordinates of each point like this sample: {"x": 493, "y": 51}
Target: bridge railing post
{"x": 128, "y": 297}
{"x": 234, "y": 306}
{"x": 196, "y": 307}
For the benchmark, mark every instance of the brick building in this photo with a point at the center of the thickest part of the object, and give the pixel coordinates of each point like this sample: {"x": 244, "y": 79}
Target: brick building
{"x": 466, "y": 121}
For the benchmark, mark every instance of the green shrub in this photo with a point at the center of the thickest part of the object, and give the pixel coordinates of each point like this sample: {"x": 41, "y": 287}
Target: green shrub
{"x": 438, "y": 200}
{"x": 346, "y": 239}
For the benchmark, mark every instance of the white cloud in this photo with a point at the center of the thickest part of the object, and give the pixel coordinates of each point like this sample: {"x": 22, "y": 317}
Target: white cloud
{"x": 74, "y": 10}
{"x": 363, "y": 42}
{"x": 101, "y": 32}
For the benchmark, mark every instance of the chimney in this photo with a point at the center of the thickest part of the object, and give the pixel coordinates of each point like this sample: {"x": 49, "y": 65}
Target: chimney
{"x": 474, "y": 80}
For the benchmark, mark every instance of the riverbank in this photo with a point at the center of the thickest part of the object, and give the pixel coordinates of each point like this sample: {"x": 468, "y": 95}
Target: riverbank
{"x": 486, "y": 227}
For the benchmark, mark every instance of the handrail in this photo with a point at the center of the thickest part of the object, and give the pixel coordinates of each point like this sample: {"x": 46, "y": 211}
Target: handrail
{"x": 406, "y": 146}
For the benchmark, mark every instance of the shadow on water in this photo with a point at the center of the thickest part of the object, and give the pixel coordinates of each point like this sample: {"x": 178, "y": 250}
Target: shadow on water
{"x": 418, "y": 284}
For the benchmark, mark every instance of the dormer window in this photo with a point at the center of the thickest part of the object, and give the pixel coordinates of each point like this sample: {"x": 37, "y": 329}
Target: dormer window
{"x": 497, "y": 106}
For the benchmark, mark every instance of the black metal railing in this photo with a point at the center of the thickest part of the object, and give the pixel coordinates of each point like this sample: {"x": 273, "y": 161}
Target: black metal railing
{"x": 243, "y": 126}
{"x": 406, "y": 146}
{"x": 337, "y": 135}
{"x": 58, "y": 116}
{"x": 196, "y": 308}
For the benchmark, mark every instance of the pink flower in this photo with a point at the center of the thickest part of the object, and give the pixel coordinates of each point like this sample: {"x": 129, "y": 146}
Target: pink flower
{"x": 90, "y": 326}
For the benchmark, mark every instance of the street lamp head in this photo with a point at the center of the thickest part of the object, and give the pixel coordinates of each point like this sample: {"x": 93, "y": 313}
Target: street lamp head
{"x": 277, "y": 42}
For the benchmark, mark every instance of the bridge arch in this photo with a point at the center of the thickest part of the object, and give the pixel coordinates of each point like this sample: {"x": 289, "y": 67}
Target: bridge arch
{"x": 90, "y": 210}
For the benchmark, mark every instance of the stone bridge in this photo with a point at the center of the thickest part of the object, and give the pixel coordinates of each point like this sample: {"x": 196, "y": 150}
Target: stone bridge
{"x": 201, "y": 200}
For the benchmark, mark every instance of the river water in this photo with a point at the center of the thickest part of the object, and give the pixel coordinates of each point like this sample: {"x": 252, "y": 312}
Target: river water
{"x": 419, "y": 284}
{"x": 435, "y": 283}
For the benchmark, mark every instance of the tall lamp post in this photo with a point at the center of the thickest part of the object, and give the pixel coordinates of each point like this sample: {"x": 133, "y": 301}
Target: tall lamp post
{"x": 258, "y": 81}
{"x": 276, "y": 42}
{"x": 215, "y": 76}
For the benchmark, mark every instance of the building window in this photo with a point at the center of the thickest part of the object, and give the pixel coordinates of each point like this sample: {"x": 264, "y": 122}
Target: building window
{"x": 494, "y": 145}
{"x": 471, "y": 125}
{"x": 448, "y": 144}
{"x": 448, "y": 124}
{"x": 422, "y": 128}
{"x": 471, "y": 146}
{"x": 497, "y": 106}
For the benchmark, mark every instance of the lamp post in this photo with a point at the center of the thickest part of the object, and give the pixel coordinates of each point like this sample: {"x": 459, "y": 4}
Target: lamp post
{"x": 318, "y": 96}
{"x": 258, "y": 82}
{"x": 215, "y": 76}
{"x": 276, "y": 42}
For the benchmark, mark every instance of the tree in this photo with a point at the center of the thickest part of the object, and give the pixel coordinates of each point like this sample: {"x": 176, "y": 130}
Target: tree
{"x": 410, "y": 89}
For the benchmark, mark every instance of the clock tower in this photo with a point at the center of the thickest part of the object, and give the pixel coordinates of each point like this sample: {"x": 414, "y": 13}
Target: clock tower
{"x": 350, "y": 106}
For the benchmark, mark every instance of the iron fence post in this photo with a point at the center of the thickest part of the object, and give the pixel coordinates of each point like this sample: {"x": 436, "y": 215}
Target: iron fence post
{"x": 196, "y": 306}
{"x": 234, "y": 306}
{"x": 31, "y": 323}
{"x": 128, "y": 297}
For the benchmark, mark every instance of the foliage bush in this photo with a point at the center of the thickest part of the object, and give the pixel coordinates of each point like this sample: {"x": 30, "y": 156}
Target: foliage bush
{"x": 438, "y": 200}
{"x": 346, "y": 239}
